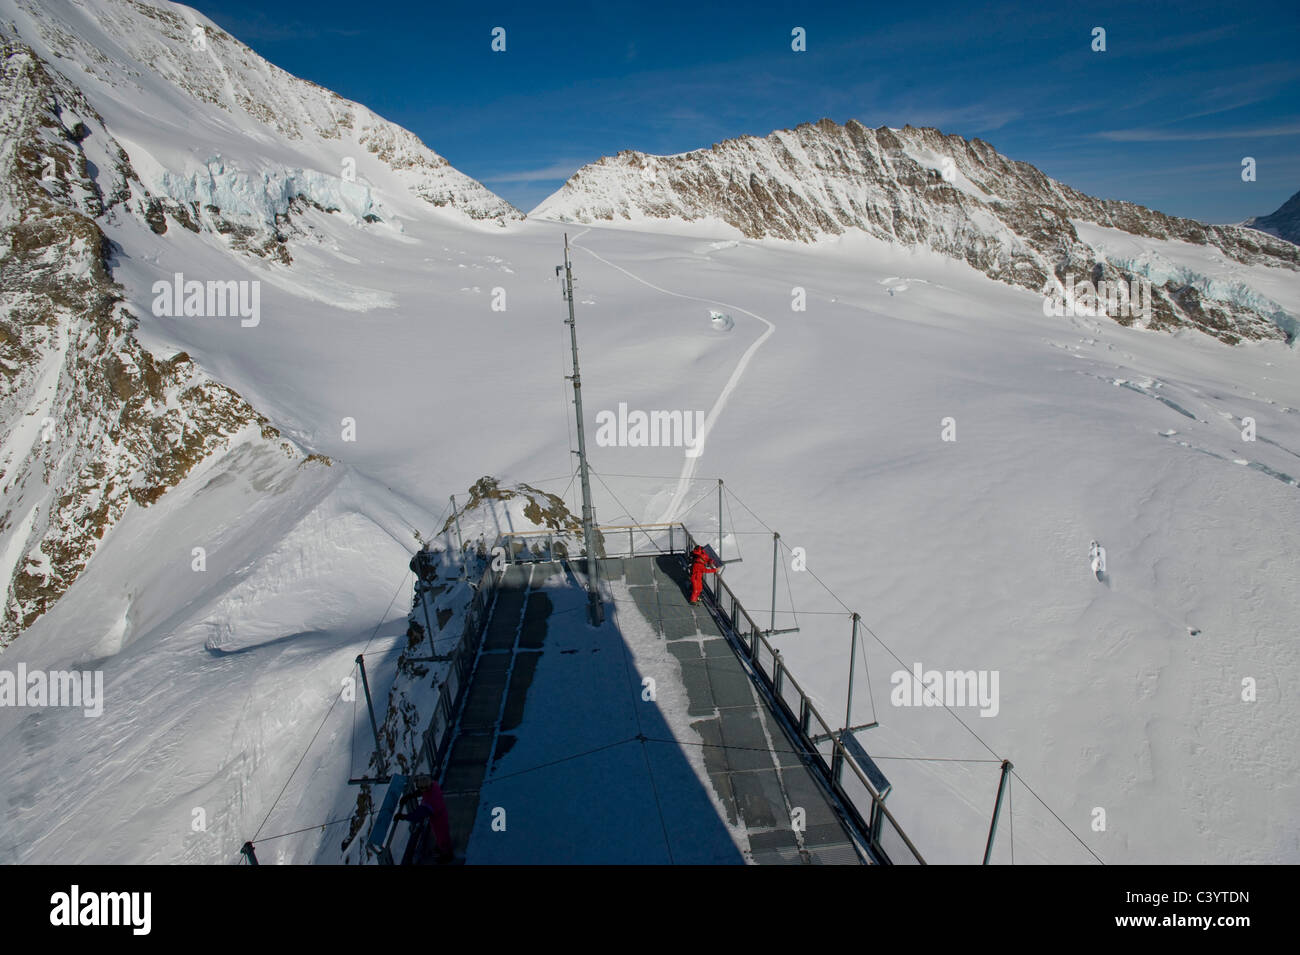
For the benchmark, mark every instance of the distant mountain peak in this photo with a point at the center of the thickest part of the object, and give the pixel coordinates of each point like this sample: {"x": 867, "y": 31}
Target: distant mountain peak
{"x": 1283, "y": 223}
{"x": 919, "y": 187}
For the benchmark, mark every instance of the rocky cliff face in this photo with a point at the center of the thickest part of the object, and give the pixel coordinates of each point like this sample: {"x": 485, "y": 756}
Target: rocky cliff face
{"x": 90, "y": 422}
{"x": 919, "y": 187}
{"x": 126, "y": 112}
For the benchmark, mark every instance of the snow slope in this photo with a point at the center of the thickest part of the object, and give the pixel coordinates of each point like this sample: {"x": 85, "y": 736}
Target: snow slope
{"x": 969, "y": 554}
{"x": 145, "y": 120}
{"x": 223, "y": 684}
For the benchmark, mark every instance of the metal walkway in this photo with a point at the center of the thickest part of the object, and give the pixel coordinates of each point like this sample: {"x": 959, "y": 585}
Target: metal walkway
{"x": 562, "y": 756}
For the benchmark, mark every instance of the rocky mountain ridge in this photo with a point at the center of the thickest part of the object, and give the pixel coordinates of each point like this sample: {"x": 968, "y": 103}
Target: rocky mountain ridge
{"x": 91, "y": 423}
{"x": 918, "y": 187}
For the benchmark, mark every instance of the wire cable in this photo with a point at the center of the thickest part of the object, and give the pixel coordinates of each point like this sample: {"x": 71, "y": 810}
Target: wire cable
{"x": 1058, "y": 818}
{"x": 662, "y": 477}
{"x": 732, "y": 518}
{"x": 785, "y": 569}
{"x": 930, "y": 692}
{"x": 621, "y": 504}
{"x": 697, "y": 503}
{"x": 325, "y": 718}
{"x": 871, "y": 693}
{"x": 556, "y": 762}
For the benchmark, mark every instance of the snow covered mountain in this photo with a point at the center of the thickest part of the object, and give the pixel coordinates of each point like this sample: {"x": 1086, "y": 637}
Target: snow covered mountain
{"x": 216, "y": 510}
{"x": 201, "y": 136}
{"x": 1284, "y": 222}
{"x": 920, "y": 188}
{"x": 223, "y": 140}
{"x": 92, "y": 421}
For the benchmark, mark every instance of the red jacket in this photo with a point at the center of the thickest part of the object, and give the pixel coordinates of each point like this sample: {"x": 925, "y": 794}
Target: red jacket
{"x": 701, "y": 563}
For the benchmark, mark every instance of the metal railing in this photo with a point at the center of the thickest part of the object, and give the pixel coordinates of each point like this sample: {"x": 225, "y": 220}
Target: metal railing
{"x": 826, "y": 752}
{"x": 613, "y": 540}
{"x": 822, "y": 744}
{"x": 438, "y": 735}
{"x": 520, "y": 547}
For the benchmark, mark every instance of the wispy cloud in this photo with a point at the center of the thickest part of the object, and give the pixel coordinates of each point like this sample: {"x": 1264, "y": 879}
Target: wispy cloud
{"x": 550, "y": 173}
{"x": 1191, "y": 136}
{"x": 1184, "y": 40}
{"x": 1227, "y": 108}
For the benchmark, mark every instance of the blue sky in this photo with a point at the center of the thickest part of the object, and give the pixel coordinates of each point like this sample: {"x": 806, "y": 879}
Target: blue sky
{"x": 1164, "y": 117}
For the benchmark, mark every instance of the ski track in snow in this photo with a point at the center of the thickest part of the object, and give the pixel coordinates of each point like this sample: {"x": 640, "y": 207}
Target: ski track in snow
{"x": 692, "y": 461}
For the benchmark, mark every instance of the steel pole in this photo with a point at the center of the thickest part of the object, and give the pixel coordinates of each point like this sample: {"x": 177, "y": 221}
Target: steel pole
{"x": 460, "y": 538}
{"x": 997, "y": 808}
{"x": 370, "y": 704}
{"x": 719, "y": 520}
{"x": 595, "y": 609}
{"x": 853, "y": 655}
{"x": 776, "y": 554}
{"x": 424, "y": 602}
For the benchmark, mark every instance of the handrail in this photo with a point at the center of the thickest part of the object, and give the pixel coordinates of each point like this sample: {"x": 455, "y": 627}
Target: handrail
{"x": 634, "y": 527}
{"x": 610, "y": 545}
{"x": 775, "y": 682}
{"x": 564, "y": 531}
{"x": 437, "y": 736}
{"x": 751, "y": 640}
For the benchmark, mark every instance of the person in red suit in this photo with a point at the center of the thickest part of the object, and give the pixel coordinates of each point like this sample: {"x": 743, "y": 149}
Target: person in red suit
{"x": 701, "y": 564}
{"x": 433, "y": 808}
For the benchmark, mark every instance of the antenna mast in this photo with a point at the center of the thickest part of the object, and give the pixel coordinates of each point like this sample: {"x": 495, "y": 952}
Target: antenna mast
{"x": 595, "y": 609}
